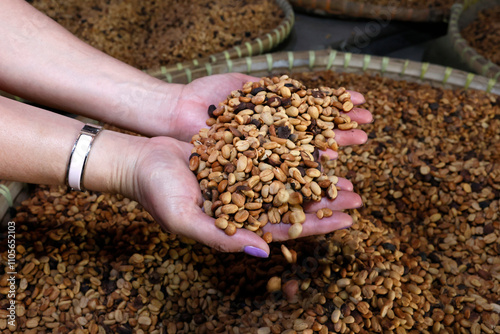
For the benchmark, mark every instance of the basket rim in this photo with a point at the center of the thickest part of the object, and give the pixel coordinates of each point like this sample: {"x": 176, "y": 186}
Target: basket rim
{"x": 9, "y": 191}
{"x": 259, "y": 45}
{"x": 343, "y": 62}
{"x": 317, "y": 60}
{"x": 468, "y": 54}
{"x": 358, "y": 9}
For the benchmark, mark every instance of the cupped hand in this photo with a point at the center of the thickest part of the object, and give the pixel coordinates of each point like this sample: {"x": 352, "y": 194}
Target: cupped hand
{"x": 191, "y": 109}
{"x": 166, "y": 187}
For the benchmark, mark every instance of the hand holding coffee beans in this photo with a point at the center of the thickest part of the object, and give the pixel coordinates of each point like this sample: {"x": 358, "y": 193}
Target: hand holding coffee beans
{"x": 259, "y": 163}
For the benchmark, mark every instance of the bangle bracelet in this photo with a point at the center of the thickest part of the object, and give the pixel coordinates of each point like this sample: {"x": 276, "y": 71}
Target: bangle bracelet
{"x": 79, "y": 155}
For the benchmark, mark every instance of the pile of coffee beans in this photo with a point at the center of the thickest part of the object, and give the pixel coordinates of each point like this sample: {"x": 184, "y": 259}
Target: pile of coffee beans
{"x": 259, "y": 161}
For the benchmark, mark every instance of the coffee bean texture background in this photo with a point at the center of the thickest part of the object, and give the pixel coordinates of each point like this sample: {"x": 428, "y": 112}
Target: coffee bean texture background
{"x": 422, "y": 255}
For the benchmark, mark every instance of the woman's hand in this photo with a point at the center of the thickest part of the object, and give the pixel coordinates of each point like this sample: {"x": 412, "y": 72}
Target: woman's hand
{"x": 189, "y": 114}
{"x": 166, "y": 187}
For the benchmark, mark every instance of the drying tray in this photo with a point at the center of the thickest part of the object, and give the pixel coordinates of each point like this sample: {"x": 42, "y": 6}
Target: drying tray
{"x": 274, "y": 63}
{"x": 461, "y": 16}
{"x": 358, "y": 9}
{"x": 260, "y": 45}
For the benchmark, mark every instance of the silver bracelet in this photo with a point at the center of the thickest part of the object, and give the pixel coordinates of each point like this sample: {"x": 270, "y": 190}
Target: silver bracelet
{"x": 79, "y": 155}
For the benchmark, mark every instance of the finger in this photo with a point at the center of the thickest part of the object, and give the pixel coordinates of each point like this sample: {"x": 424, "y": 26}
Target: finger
{"x": 360, "y": 115}
{"x": 205, "y": 231}
{"x": 345, "y": 200}
{"x": 184, "y": 149}
{"x": 350, "y": 137}
{"x": 330, "y": 154}
{"x": 312, "y": 226}
{"x": 356, "y": 97}
{"x": 344, "y": 184}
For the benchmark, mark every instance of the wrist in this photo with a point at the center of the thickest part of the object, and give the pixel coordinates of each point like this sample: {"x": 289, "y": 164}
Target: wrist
{"x": 144, "y": 106}
{"x": 111, "y": 163}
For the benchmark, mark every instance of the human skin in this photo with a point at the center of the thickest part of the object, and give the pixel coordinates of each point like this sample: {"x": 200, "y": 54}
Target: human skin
{"x": 41, "y": 61}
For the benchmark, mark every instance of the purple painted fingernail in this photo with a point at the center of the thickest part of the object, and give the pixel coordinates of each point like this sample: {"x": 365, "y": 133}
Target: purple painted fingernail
{"x": 254, "y": 251}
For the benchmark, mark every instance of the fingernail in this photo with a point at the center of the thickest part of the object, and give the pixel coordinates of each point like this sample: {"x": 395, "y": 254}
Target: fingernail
{"x": 254, "y": 251}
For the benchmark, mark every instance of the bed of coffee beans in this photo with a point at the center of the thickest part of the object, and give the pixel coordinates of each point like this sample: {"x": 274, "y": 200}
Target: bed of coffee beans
{"x": 483, "y": 34}
{"x": 422, "y": 256}
{"x": 259, "y": 161}
{"x": 148, "y": 34}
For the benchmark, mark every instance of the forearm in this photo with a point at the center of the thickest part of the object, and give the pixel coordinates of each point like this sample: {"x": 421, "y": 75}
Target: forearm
{"x": 43, "y": 62}
{"x": 36, "y": 146}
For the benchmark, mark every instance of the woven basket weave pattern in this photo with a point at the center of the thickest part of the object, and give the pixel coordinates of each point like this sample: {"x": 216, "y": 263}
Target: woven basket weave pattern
{"x": 338, "y": 61}
{"x": 469, "y": 55}
{"x": 258, "y": 46}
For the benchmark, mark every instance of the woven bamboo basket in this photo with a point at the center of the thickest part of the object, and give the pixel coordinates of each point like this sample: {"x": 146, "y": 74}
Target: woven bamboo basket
{"x": 11, "y": 193}
{"x": 312, "y": 61}
{"x": 461, "y": 16}
{"x": 340, "y": 62}
{"x": 273, "y": 63}
{"x": 361, "y": 9}
{"x": 264, "y": 42}
{"x": 260, "y": 45}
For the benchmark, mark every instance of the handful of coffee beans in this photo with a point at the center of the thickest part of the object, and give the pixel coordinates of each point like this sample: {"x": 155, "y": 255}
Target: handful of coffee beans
{"x": 258, "y": 163}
